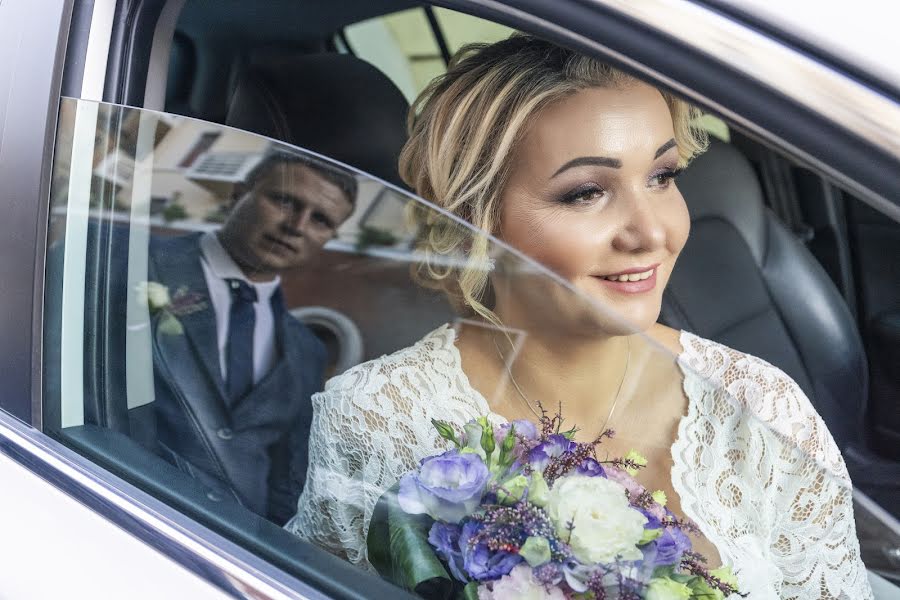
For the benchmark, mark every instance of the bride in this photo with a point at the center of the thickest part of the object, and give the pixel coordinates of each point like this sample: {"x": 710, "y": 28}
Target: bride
{"x": 572, "y": 164}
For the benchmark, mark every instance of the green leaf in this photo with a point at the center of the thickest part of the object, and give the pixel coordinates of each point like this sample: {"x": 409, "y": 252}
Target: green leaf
{"x": 169, "y": 325}
{"x": 470, "y": 592}
{"x": 399, "y": 550}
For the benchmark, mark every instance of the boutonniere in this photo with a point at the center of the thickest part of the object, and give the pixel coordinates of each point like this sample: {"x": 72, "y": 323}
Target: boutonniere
{"x": 167, "y": 307}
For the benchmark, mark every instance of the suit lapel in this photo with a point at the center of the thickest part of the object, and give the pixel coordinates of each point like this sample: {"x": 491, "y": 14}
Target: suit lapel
{"x": 177, "y": 262}
{"x": 296, "y": 375}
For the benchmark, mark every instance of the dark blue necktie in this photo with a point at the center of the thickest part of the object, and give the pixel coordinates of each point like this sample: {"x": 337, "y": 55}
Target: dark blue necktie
{"x": 239, "y": 350}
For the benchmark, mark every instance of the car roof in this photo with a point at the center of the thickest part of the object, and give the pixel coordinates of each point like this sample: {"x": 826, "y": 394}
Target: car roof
{"x": 861, "y": 34}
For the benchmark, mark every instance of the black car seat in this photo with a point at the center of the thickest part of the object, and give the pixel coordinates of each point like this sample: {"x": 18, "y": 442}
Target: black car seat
{"x": 334, "y": 104}
{"x": 744, "y": 280}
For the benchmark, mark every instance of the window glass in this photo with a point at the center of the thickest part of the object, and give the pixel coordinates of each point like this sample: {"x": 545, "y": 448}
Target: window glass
{"x": 460, "y": 29}
{"x": 404, "y": 47}
{"x": 194, "y": 315}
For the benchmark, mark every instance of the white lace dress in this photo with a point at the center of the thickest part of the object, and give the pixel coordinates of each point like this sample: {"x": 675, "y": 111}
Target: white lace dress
{"x": 754, "y": 465}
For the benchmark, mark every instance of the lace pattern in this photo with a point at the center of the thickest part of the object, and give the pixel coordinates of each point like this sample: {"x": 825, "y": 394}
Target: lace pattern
{"x": 371, "y": 425}
{"x": 753, "y": 484}
{"x": 757, "y": 470}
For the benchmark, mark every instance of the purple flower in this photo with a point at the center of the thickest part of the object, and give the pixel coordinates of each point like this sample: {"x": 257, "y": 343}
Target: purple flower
{"x": 524, "y": 428}
{"x": 479, "y": 561}
{"x": 447, "y": 487}
{"x": 555, "y": 446}
{"x": 667, "y": 549}
{"x": 444, "y": 538}
{"x": 591, "y": 468}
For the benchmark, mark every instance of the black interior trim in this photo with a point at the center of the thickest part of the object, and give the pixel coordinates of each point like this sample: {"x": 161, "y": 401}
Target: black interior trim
{"x": 438, "y": 33}
{"x": 134, "y": 26}
{"x": 76, "y": 50}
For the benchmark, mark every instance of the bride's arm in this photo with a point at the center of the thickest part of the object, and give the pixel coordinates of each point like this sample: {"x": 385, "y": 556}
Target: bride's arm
{"x": 362, "y": 440}
{"x": 814, "y": 538}
{"x": 342, "y": 482}
{"x": 774, "y": 474}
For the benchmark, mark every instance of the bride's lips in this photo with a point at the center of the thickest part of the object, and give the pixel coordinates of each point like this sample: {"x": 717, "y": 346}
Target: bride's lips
{"x": 645, "y": 280}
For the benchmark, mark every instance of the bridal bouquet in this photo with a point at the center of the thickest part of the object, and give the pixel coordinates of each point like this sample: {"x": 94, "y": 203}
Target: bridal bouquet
{"x": 523, "y": 511}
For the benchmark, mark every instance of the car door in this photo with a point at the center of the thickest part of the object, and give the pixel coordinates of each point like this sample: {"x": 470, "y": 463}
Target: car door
{"x": 118, "y": 54}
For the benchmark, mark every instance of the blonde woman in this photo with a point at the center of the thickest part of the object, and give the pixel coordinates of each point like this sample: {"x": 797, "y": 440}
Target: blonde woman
{"x": 572, "y": 164}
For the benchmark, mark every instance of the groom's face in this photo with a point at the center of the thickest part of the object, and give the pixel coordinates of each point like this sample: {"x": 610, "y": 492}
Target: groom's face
{"x": 283, "y": 221}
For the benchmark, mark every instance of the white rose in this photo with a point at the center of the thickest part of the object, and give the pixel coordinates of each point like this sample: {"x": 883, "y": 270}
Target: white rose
{"x": 520, "y": 584}
{"x": 153, "y": 295}
{"x": 605, "y": 525}
{"x": 157, "y": 295}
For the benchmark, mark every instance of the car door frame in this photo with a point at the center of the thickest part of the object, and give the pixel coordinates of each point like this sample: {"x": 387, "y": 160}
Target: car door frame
{"x": 95, "y": 68}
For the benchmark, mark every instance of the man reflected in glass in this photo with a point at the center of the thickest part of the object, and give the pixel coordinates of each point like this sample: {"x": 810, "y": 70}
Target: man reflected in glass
{"x": 233, "y": 370}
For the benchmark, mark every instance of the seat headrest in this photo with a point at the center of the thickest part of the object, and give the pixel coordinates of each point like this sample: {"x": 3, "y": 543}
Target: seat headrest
{"x": 721, "y": 184}
{"x": 333, "y": 104}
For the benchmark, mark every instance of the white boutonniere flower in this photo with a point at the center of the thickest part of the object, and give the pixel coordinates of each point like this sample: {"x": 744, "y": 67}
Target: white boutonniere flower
{"x": 156, "y": 298}
{"x": 153, "y": 295}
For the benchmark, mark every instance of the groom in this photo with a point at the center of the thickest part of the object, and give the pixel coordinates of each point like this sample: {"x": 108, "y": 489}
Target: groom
{"x": 234, "y": 371}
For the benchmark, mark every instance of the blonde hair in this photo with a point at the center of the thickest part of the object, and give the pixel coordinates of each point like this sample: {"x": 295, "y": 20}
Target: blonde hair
{"x": 462, "y": 129}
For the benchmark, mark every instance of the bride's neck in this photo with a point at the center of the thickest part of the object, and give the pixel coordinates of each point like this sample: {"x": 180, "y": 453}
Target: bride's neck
{"x": 584, "y": 373}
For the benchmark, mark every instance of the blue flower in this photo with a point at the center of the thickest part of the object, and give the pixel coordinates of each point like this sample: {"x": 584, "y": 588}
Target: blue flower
{"x": 444, "y": 538}
{"x": 667, "y": 549}
{"x": 591, "y": 468}
{"x": 524, "y": 428}
{"x": 447, "y": 487}
{"x": 480, "y": 563}
{"x": 555, "y": 446}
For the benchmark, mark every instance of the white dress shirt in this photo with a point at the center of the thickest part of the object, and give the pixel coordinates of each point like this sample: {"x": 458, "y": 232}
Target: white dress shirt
{"x": 218, "y": 266}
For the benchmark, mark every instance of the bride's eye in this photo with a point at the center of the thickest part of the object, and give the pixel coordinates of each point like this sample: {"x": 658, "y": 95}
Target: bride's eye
{"x": 662, "y": 179}
{"x": 585, "y": 194}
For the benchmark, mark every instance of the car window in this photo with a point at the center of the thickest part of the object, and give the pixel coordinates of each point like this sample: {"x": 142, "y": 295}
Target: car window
{"x": 160, "y": 227}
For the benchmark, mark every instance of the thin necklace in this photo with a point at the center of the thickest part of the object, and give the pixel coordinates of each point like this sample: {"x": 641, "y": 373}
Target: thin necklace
{"x": 528, "y": 402}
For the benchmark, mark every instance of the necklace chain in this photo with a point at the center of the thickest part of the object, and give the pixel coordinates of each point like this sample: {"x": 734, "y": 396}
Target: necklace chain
{"x": 530, "y": 404}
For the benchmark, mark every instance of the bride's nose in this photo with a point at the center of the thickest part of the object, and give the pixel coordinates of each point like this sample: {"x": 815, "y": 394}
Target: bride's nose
{"x": 641, "y": 227}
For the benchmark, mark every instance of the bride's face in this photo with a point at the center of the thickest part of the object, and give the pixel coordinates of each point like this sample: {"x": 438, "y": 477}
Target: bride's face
{"x": 591, "y": 196}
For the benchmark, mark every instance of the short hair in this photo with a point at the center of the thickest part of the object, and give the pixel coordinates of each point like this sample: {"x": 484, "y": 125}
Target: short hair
{"x": 344, "y": 180}
{"x": 462, "y": 131}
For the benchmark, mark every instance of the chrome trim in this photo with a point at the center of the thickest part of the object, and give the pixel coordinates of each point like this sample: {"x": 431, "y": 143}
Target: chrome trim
{"x": 701, "y": 25}
{"x": 208, "y": 555}
{"x": 97, "y": 54}
{"x": 883, "y": 516}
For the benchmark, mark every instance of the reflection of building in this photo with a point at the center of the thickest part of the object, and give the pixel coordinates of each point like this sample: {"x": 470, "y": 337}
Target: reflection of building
{"x": 187, "y": 178}
{"x": 193, "y": 169}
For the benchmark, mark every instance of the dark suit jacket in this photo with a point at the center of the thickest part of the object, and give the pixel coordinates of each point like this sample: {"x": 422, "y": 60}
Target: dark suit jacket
{"x": 256, "y": 449}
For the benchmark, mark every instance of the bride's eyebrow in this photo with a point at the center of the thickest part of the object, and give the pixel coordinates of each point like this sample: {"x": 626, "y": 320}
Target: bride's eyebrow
{"x": 662, "y": 149}
{"x": 605, "y": 161}
{"x": 598, "y": 161}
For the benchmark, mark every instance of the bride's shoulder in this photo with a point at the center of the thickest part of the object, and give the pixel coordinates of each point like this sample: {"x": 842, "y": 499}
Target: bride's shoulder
{"x": 434, "y": 350}
{"x": 716, "y": 362}
{"x": 762, "y": 391}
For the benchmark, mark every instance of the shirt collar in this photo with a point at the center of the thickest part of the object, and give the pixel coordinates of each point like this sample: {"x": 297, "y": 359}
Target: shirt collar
{"x": 223, "y": 266}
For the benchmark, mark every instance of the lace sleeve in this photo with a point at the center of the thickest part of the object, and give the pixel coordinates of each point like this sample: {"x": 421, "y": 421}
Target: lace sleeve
{"x": 771, "y": 485}
{"x": 371, "y": 425}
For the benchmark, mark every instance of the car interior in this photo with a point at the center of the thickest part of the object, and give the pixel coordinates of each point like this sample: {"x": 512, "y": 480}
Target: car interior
{"x": 780, "y": 263}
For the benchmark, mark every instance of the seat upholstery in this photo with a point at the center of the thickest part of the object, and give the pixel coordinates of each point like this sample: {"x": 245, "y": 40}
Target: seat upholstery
{"x": 744, "y": 280}
{"x": 333, "y": 104}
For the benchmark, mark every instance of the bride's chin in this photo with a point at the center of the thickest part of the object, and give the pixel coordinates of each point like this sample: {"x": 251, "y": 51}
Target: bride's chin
{"x": 623, "y": 320}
